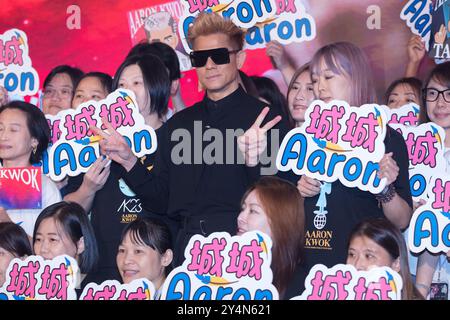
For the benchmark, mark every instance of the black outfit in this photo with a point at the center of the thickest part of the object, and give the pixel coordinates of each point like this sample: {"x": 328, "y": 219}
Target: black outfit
{"x": 347, "y": 207}
{"x": 114, "y": 206}
{"x": 296, "y": 284}
{"x": 205, "y": 197}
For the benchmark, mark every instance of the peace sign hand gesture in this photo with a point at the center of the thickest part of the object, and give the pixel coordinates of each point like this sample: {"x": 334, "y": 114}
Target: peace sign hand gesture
{"x": 254, "y": 141}
{"x": 115, "y": 146}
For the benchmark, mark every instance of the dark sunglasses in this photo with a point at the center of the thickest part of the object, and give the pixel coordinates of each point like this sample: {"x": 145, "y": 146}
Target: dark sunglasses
{"x": 218, "y": 56}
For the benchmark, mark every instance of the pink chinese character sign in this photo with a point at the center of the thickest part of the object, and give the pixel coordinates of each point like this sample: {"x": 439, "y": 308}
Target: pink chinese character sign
{"x": 223, "y": 267}
{"x": 335, "y": 142}
{"x": 17, "y": 74}
{"x": 139, "y": 289}
{"x": 426, "y": 146}
{"x": 284, "y": 20}
{"x": 21, "y": 188}
{"x": 430, "y": 223}
{"x": 344, "y": 282}
{"x": 76, "y": 147}
{"x": 407, "y": 115}
{"x": 37, "y": 279}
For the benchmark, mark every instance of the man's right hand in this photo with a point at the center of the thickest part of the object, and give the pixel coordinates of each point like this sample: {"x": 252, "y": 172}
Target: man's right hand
{"x": 308, "y": 187}
{"x": 254, "y": 141}
{"x": 114, "y": 146}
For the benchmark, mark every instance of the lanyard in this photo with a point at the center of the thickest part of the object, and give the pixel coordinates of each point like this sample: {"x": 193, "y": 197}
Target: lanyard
{"x": 441, "y": 264}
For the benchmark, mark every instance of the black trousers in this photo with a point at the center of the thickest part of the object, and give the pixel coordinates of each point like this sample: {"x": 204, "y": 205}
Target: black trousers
{"x": 203, "y": 225}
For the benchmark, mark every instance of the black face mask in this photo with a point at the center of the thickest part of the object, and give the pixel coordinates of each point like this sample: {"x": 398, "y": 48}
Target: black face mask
{"x": 218, "y": 56}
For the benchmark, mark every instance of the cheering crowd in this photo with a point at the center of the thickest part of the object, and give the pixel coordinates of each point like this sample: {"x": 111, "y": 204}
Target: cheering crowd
{"x": 84, "y": 216}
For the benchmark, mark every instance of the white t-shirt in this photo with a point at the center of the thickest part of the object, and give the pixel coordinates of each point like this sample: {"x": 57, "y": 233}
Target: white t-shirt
{"x": 26, "y": 218}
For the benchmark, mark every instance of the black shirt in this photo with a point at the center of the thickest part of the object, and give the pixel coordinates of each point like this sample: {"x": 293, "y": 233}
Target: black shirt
{"x": 205, "y": 196}
{"x": 296, "y": 284}
{"x": 347, "y": 207}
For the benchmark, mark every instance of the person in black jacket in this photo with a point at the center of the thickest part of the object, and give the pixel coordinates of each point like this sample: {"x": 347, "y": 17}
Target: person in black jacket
{"x": 196, "y": 181}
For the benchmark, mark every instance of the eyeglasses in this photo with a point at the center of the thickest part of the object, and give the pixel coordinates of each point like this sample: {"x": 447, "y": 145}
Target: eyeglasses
{"x": 432, "y": 94}
{"x": 64, "y": 93}
{"x": 218, "y": 56}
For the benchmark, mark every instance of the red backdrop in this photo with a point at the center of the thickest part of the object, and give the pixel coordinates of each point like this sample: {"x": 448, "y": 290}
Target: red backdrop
{"x": 104, "y": 38}
{"x": 100, "y": 45}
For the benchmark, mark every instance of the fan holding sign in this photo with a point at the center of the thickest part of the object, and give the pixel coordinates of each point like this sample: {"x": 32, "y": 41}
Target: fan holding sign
{"x": 377, "y": 243}
{"x": 189, "y": 162}
{"x": 437, "y": 110}
{"x": 135, "y": 109}
{"x": 364, "y": 165}
{"x": 24, "y": 136}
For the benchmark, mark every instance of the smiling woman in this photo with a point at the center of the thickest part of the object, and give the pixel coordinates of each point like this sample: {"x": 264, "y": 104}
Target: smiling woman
{"x": 64, "y": 228}
{"x": 145, "y": 251}
{"x": 340, "y": 71}
{"x": 436, "y": 109}
{"x": 300, "y": 94}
